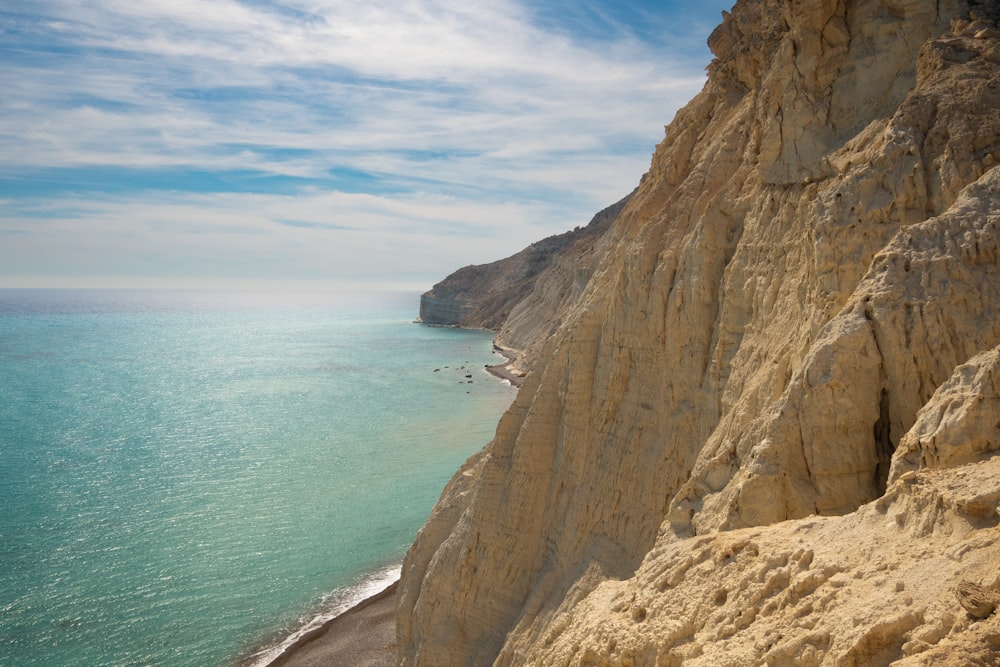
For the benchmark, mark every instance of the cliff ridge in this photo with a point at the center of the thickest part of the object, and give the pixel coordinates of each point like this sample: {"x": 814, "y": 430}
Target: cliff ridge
{"x": 482, "y": 296}
{"x": 763, "y": 431}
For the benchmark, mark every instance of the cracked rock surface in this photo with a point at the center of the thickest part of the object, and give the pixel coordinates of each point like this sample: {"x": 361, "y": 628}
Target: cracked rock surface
{"x": 764, "y": 431}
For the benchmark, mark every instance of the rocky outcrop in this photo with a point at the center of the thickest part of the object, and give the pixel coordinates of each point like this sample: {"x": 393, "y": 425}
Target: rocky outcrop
{"x": 557, "y": 288}
{"x": 871, "y": 588}
{"x": 959, "y": 424}
{"x": 738, "y": 445}
{"x": 484, "y": 296}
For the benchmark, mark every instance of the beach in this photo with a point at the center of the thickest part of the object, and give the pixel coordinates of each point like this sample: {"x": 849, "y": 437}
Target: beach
{"x": 362, "y": 636}
{"x": 505, "y": 370}
{"x": 365, "y": 634}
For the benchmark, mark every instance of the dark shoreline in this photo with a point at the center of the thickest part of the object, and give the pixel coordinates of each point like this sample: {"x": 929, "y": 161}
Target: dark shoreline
{"x": 362, "y": 636}
{"x": 365, "y": 634}
{"x": 503, "y": 370}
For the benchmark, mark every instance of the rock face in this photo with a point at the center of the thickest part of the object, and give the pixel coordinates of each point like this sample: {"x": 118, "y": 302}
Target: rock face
{"x": 483, "y": 296}
{"x": 739, "y": 445}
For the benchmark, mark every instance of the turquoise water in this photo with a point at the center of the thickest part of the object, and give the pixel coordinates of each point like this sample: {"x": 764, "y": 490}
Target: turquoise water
{"x": 185, "y": 477}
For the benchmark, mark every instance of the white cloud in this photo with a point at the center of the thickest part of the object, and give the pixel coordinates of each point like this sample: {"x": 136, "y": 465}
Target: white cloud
{"x": 325, "y": 237}
{"x": 454, "y": 110}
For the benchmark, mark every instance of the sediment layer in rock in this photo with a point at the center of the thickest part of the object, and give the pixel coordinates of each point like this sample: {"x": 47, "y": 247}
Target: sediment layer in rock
{"x": 750, "y": 414}
{"x": 547, "y": 275}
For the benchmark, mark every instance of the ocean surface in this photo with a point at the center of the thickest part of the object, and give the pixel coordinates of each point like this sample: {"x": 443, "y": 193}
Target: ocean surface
{"x": 188, "y": 477}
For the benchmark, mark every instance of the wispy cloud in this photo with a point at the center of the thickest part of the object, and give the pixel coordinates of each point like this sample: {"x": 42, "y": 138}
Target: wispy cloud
{"x": 453, "y": 129}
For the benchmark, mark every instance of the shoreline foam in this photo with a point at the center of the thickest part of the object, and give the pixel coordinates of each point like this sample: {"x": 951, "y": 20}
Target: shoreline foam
{"x": 505, "y": 370}
{"x": 362, "y": 636}
{"x": 330, "y": 637}
{"x": 375, "y": 588}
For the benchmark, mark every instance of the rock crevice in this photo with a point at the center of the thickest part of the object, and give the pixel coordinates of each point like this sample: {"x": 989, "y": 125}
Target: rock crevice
{"x": 739, "y": 433}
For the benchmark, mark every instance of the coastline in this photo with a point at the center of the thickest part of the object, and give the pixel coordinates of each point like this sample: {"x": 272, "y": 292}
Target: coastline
{"x": 505, "y": 370}
{"x": 362, "y": 636}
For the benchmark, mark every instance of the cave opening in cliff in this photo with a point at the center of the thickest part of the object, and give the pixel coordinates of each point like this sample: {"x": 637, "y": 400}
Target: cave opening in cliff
{"x": 882, "y": 432}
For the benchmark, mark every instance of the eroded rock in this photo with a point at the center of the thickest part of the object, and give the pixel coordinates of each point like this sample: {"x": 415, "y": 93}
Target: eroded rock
{"x": 709, "y": 461}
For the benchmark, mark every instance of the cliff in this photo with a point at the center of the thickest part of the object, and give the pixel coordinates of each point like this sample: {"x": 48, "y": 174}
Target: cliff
{"x": 764, "y": 431}
{"x": 555, "y": 291}
{"x": 548, "y": 273}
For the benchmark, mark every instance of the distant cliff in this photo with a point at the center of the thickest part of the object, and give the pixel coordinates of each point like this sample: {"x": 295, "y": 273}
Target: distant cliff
{"x": 764, "y": 428}
{"x": 555, "y": 290}
{"x": 483, "y": 296}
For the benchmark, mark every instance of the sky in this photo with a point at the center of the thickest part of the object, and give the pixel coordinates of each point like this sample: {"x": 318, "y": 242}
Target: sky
{"x": 323, "y": 143}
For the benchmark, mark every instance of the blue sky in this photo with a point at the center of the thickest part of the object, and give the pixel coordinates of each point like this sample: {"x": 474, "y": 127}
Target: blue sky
{"x": 206, "y": 143}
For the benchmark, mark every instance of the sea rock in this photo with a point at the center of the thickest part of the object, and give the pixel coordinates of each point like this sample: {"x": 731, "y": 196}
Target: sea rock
{"x": 762, "y": 431}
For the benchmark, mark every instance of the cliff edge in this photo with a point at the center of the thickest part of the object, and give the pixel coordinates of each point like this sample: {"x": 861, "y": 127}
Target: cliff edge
{"x": 522, "y": 296}
{"x": 765, "y": 430}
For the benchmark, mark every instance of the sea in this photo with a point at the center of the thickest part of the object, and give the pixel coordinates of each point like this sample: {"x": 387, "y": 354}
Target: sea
{"x": 189, "y": 478}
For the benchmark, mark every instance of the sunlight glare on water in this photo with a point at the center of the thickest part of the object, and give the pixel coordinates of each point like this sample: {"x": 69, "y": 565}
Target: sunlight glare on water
{"x": 189, "y": 475}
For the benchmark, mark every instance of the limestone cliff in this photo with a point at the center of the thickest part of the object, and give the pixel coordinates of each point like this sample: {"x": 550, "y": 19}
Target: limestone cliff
{"x": 533, "y": 319}
{"x": 738, "y": 448}
{"x": 547, "y": 273}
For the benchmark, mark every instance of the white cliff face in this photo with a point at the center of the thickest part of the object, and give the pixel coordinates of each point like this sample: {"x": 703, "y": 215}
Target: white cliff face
{"x": 799, "y": 306}
{"x": 929, "y": 302}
